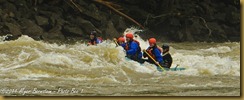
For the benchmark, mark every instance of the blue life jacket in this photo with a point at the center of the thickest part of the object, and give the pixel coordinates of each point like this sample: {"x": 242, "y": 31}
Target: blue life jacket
{"x": 155, "y": 53}
{"x": 123, "y": 45}
{"x": 133, "y": 49}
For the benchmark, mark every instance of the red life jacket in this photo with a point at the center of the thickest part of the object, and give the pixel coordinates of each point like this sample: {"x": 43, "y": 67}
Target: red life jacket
{"x": 149, "y": 51}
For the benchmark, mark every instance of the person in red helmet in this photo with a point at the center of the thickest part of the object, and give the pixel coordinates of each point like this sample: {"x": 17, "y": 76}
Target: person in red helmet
{"x": 133, "y": 49}
{"x": 94, "y": 40}
{"x": 120, "y": 42}
{"x": 155, "y": 52}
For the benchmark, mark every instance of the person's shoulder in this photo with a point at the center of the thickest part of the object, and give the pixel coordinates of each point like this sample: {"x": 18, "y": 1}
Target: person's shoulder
{"x": 168, "y": 55}
{"x": 132, "y": 42}
{"x": 135, "y": 42}
{"x": 156, "y": 48}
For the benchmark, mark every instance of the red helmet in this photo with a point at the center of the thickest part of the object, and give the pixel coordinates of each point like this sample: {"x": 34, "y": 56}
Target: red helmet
{"x": 121, "y": 39}
{"x": 129, "y": 35}
{"x": 152, "y": 41}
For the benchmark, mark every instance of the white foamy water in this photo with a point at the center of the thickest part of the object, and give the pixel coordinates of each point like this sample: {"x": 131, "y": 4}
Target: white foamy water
{"x": 26, "y": 62}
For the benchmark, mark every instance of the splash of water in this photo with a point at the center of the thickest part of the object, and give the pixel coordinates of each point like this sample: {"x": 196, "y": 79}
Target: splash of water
{"x": 27, "y": 59}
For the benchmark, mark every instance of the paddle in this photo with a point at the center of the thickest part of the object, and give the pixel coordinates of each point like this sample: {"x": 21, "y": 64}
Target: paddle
{"x": 176, "y": 66}
{"x": 115, "y": 41}
{"x": 154, "y": 60}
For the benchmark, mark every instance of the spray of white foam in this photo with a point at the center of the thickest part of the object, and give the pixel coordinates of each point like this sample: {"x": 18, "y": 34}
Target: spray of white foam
{"x": 205, "y": 64}
{"x": 105, "y": 60}
{"x": 199, "y": 61}
{"x": 143, "y": 43}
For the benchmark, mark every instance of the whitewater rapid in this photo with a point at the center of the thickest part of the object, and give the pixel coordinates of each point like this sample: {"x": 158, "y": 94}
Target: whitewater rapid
{"x": 28, "y": 61}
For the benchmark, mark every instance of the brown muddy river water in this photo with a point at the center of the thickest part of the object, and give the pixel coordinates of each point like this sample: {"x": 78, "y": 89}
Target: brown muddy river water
{"x": 37, "y": 68}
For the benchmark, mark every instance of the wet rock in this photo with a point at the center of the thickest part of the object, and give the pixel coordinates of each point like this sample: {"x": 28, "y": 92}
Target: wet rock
{"x": 3, "y": 1}
{"x": 13, "y": 29}
{"x": 86, "y": 25}
{"x": 218, "y": 34}
{"x": 94, "y": 12}
{"x": 42, "y": 21}
{"x": 9, "y": 6}
{"x": 119, "y": 23}
{"x": 111, "y": 31}
{"x": 72, "y": 31}
{"x": 19, "y": 3}
{"x": 31, "y": 29}
{"x": 173, "y": 20}
{"x": 54, "y": 35}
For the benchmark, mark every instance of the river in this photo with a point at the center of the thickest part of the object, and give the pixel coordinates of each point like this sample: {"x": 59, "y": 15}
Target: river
{"x": 37, "y": 68}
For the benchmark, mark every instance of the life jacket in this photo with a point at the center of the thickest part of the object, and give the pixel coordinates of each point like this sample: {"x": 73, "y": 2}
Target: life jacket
{"x": 150, "y": 51}
{"x": 100, "y": 39}
{"x": 127, "y": 45}
{"x": 95, "y": 41}
{"x": 167, "y": 59}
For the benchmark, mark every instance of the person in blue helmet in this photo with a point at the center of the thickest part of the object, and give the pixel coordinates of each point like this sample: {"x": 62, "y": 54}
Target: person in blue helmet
{"x": 155, "y": 52}
{"x": 132, "y": 48}
{"x": 167, "y": 56}
{"x": 94, "y": 40}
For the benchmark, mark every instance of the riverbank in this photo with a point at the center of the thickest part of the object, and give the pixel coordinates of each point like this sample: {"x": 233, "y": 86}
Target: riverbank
{"x": 175, "y": 21}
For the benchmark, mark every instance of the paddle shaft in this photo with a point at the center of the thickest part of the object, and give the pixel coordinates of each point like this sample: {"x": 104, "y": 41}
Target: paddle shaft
{"x": 154, "y": 60}
{"x": 176, "y": 67}
{"x": 115, "y": 41}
